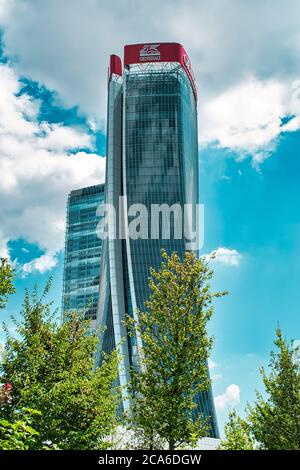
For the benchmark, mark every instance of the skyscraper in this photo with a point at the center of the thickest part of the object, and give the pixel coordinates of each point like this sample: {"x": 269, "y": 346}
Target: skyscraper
{"x": 82, "y": 251}
{"x": 152, "y": 159}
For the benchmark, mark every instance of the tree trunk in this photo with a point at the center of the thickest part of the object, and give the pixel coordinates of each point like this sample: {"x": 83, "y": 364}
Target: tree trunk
{"x": 171, "y": 444}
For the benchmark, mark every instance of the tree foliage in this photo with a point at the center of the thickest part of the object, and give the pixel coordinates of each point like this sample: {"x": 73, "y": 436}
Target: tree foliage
{"x": 237, "y": 434}
{"x": 6, "y": 281}
{"x": 275, "y": 420}
{"x": 19, "y": 434}
{"x": 176, "y": 346}
{"x": 51, "y": 368}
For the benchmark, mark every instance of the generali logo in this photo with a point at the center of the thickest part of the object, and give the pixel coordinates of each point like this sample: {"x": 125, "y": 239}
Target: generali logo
{"x": 150, "y": 52}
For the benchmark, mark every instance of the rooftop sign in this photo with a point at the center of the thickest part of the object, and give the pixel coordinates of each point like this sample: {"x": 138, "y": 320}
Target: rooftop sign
{"x": 160, "y": 52}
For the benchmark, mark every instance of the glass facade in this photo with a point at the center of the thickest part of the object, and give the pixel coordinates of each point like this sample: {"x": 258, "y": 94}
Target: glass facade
{"x": 82, "y": 251}
{"x": 152, "y": 159}
{"x": 161, "y": 144}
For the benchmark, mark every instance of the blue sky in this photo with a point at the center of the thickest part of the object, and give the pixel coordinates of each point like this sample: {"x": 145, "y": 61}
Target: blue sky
{"x": 52, "y": 140}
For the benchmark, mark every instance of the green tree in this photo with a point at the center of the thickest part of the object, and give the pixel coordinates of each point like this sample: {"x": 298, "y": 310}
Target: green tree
{"x": 19, "y": 434}
{"x": 274, "y": 421}
{"x": 6, "y": 281}
{"x": 176, "y": 346}
{"x": 51, "y": 368}
{"x": 237, "y": 434}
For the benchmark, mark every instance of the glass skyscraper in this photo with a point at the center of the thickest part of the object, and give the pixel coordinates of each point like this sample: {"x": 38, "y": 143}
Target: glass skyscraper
{"x": 82, "y": 252}
{"x": 152, "y": 159}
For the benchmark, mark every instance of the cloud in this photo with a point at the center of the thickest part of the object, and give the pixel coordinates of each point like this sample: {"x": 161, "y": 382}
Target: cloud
{"x": 244, "y": 118}
{"x": 3, "y": 246}
{"x": 3, "y": 9}
{"x": 230, "y": 398}
{"x": 246, "y": 93}
{"x": 62, "y": 138}
{"x": 39, "y": 164}
{"x": 215, "y": 377}
{"x": 292, "y": 125}
{"x": 248, "y": 117}
{"x": 243, "y": 91}
{"x": 41, "y": 264}
{"x": 296, "y": 353}
{"x": 212, "y": 364}
{"x": 2, "y": 349}
{"x": 225, "y": 256}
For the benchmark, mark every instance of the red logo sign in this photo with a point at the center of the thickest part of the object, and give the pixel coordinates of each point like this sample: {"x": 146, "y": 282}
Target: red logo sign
{"x": 163, "y": 52}
{"x": 150, "y": 52}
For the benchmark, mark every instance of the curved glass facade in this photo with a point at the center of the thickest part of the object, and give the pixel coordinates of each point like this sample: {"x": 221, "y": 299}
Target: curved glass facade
{"x": 160, "y": 147}
{"x": 152, "y": 159}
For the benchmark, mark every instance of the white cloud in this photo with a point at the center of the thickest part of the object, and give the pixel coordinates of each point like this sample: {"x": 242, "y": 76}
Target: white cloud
{"x": 230, "y": 398}
{"x": 38, "y": 169}
{"x": 62, "y": 138}
{"x": 216, "y": 377}
{"x": 41, "y": 264}
{"x": 246, "y": 117}
{"x": 2, "y": 352}
{"x": 212, "y": 364}
{"x": 236, "y": 111}
{"x": 243, "y": 91}
{"x": 3, "y": 9}
{"x": 3, "y": 246}
{"x": 14, "y": 111}
{"x": 225, "y": 256}
{"x": 292, "y": 125}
